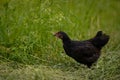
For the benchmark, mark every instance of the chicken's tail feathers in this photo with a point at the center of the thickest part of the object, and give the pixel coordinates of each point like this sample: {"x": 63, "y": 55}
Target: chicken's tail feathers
{"x": 99, "y": 33}
{"x": 100, "y": 39}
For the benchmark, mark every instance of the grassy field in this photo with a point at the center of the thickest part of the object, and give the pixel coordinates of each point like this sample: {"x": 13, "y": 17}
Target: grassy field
{"x": 29, "y": 51}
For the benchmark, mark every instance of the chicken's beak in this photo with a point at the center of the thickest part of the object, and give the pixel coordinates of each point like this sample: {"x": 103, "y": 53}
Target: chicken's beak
{"x": 55, "y": 35}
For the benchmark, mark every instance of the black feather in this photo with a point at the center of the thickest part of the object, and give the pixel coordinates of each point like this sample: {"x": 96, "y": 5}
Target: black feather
{"x": 86, "y": 52}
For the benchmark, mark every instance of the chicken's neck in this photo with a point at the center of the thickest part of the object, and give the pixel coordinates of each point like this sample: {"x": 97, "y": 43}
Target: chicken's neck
{"x": 66, "y": 40}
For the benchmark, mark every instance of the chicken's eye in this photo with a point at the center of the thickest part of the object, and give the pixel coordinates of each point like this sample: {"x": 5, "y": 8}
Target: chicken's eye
{"x": 60, "y": 36}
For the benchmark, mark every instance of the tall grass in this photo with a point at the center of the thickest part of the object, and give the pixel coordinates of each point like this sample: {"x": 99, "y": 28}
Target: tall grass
{"x": 26, "y": 38}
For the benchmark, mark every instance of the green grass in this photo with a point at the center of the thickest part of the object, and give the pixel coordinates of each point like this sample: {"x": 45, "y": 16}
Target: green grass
{"x": 29, "y": 51}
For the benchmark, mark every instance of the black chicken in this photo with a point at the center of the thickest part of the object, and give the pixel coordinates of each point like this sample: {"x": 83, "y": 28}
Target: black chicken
{"x": 86, "y": 52}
